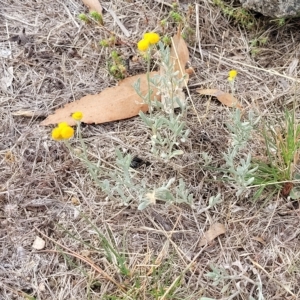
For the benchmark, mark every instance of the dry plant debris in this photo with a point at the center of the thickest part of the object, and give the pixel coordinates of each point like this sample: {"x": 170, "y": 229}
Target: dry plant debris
{"x": 122, "y": 102}
{"x": 179, "y": 54}
{"x": 213, "y": 232}
{"x": 45, "y": 191}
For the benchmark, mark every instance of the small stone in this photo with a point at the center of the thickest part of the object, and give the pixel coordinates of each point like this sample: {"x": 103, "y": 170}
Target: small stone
{"x": 38, "y": 243}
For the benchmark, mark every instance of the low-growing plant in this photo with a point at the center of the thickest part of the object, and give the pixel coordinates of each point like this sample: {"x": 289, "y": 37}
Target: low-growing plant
{"x": 110, "y": 42}
{"x": 121, "y": 183}
{"x": 256, "y": 44}
{"x": 83, "y": 17}
{"x": 282, "y": 143}
{"x": 240, "y": 170}
{"x": 97, "y": 17}
{"x": 238, "y": 14}
{"x": 176, "y": 17}
{"x": 168, "y": 128}
{"x": 280, "y": 21}
{"x": 116, "y": 65}
{"x": 93, "y": 16}
{"x": 281, "y": 152}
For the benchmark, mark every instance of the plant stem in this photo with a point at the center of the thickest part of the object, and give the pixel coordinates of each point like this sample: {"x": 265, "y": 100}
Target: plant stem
{"x": 148, "y": 82}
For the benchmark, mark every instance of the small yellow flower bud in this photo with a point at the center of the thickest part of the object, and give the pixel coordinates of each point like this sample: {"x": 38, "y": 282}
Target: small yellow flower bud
{"x": 67, "y": 132}
{"x": 152, "y": 37}
{"x": 232, "y": 74}
{"x": 77, "y": 116}
{"x": 143, "y": 45}
{"x": 62, "y": 125}
{"x": 56, "y": 133}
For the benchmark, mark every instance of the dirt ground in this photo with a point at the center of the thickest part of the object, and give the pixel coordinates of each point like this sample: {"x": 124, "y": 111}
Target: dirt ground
{"x": 46, "y": 192}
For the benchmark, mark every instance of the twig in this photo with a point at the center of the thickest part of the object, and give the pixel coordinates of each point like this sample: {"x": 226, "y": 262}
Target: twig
{"x": 117, "y": 20}
{"x": 70, "y": 15}
{"x": 198, "y": 31}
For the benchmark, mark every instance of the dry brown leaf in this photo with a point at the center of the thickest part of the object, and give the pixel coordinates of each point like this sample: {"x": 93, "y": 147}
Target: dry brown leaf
{"x": 115, "y": 103}
{"x": 179, "y": 54}
{"x": 286, "y": 189}
{"x": 214, "y": 231}
{"x": 225, "y": 98}
{"x": 93, "y": 5}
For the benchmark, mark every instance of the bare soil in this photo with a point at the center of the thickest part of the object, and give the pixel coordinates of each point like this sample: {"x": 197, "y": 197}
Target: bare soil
{"x": 56, "y": 59}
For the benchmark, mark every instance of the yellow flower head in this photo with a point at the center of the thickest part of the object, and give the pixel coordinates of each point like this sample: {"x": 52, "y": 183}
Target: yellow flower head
{"x": 56, "y": 134}
{"x": 231, "y": 75}
{"x": 143, "y": 45}
{"x": 152, "y": 37}
{"x": 77, "y": 116}
{"x": 67, "y": 132}
{"x": 62, "y": 125}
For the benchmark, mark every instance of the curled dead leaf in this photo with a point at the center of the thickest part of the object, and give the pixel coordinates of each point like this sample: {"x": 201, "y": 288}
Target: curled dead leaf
{"x": 214, "y": 231}
{"x": 286, "y": 189}
{"x": 179, "y": 54}
{"x": 225, "y": 98}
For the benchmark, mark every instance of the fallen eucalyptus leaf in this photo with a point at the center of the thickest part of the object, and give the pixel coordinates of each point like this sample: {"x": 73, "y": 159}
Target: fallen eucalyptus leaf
{"x": 225, "y": 98}
{"x": 114, "y": 103}
{"x": 93, "y": 5}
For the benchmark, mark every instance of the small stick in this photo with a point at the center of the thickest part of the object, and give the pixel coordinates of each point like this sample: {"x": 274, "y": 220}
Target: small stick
{"x": 117, "y": 20}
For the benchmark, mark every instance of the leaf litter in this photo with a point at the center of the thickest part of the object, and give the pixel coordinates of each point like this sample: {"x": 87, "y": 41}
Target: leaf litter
{"x": 122, "y": 101}
{"x": 213, "y": 232}
{"x": 225, "y": 98}
{"x": 112, "y": 104}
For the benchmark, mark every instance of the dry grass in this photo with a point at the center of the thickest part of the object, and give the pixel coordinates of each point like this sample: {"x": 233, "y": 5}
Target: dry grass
{"x": 43, "y": 186}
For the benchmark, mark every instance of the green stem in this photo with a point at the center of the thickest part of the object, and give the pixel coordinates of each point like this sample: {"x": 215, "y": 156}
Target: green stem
{"x": 148, "y": 82}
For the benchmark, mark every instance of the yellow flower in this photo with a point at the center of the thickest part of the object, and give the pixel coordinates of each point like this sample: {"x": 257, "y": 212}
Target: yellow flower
{"x": 151, "y": 37}
{"x": 231, "y": 75}
{"x": 56, "y": 133}
{"x": 67, "y": 132}
{"x": 143, "y": 45}
{"x": 77, "y": 116}
{"x": 62, "y": 125}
